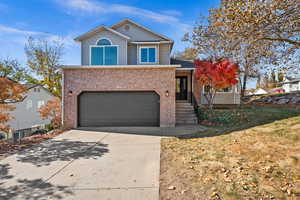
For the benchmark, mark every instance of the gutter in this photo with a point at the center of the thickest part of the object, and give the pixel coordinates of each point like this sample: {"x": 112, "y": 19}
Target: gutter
{"x": 66, "y": 67}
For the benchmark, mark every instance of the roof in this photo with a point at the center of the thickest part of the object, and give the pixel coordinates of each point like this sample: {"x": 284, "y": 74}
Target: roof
{"x": 183, "y": 63}
{"x": 97, "y": 30}
{"x": 31, "y": 85}
{"x": 291, "y": 80}
{"x": 117, "y": 25}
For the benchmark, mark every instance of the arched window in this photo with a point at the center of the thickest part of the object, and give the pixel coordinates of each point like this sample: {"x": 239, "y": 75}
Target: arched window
{"x": 104, "y": 53}
{"x": 103, "y": 42}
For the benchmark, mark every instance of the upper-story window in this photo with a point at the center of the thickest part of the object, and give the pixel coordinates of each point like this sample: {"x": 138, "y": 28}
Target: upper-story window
{"x": 104, "y": 53}
{"x": 148, "y": 55}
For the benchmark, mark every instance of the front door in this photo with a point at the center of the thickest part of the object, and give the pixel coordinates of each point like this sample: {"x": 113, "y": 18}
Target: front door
{"x": 181, "y": 88}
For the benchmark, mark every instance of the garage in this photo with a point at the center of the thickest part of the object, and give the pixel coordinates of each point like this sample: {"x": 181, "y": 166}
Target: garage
{"x": 123, "y": 108}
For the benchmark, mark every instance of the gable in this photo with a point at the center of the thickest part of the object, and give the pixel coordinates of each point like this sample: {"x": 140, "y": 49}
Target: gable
{"x": 98, "y": 30}
{"x": 138, "y": 32}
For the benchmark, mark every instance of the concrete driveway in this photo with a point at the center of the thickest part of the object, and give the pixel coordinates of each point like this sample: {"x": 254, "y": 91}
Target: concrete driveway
{"x": 84, "y": 165}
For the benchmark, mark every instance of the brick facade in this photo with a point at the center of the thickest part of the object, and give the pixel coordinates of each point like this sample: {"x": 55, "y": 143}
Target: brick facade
{"x": 158, "y": 79}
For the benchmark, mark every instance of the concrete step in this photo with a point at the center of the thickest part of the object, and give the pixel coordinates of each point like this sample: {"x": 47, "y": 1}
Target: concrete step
{"x": 186, "y": 119}
{"x": 185, "y": 108}
{"x": 184, "y": 111}
{"x": 185, "y": 115}
{"x": 195, "y": 121}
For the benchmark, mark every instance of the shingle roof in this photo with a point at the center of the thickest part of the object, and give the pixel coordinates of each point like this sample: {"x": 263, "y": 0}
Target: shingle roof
{"x": 183, "y": 63}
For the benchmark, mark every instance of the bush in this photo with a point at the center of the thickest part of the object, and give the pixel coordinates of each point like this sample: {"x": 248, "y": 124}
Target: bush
{"x": 222, "y": 116}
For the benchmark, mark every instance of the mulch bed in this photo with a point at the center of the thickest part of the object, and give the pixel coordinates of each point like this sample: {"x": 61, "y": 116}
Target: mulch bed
{"x": 7, "y": 148}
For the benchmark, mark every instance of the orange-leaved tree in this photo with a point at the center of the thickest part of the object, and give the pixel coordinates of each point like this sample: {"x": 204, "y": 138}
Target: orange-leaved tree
{"x": 10, "y": 92}
{"x": 215, "y": 75}
{"x": 52, "y": 111}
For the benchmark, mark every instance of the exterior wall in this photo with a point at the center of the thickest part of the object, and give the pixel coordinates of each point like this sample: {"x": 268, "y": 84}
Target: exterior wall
{"x": 26, "y": 117}
{"x": 115, "y": 39}
{"x": 164, "y": 54}
{"x": 136, "y": 33}
{"x": 132, "y": 54}
{"x": 291, "y": 87}
{"x": 233, "y": 97}
{"x": 157, "y": 79}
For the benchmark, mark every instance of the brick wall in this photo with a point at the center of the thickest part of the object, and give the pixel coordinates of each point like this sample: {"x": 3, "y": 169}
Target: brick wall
{"x": 157, "y": 79}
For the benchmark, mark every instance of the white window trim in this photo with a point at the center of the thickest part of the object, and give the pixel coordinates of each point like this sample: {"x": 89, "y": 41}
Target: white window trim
{"x": 104, "y": 38}
{"x": 90, "y": 60}
{"x": 140, "y": 54}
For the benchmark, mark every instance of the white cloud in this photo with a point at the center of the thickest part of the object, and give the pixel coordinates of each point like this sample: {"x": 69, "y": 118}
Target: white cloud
{"x": 172, "y": 12}
{"x": 6, "y": 29}
{"x": 93, "y": 7}
{"x": 21, "y": 36}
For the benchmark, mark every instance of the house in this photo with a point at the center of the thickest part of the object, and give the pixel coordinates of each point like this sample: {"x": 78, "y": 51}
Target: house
{"x": 260, "y": 91}
{"x": 291, "y": 84}
{"x": 26, "y": 115}
{"x": 127, "y": 78}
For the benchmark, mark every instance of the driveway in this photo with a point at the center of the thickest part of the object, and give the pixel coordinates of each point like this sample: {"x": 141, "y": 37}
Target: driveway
{"x": 87, "y": 165}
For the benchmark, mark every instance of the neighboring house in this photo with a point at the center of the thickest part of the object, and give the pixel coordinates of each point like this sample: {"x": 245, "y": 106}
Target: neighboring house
{"x": 26, "y": 115}
{"x": 291, "y": 84}
{"x": 127, "y": 78}
{"x": 260, "y": 91}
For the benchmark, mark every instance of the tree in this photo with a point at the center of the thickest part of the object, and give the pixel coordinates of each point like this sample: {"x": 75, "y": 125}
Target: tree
{"x": 272, "y": 25}
{"x": 52, "y": 111}
{"x": 256, "y": 20}
{"x": 188, "y": 54}
{"x": 43, "y": 58}
{"x": 11, "y": 68}
{"x": 212, "y": 44}
{"x": 10, "y": 92}
{"x": 214, "y": 76}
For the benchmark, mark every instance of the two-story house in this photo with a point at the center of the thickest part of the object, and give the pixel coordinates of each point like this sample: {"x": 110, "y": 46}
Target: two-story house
{"x": 127, "y": 78}
{"x": 26, "y": 116}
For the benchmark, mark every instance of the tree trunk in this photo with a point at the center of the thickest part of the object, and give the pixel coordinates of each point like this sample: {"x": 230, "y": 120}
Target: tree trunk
{"x": 244, "y": 84}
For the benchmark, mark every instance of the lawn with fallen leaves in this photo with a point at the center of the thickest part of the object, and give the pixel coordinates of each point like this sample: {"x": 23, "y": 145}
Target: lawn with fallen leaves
{"x": 256, "y": 159}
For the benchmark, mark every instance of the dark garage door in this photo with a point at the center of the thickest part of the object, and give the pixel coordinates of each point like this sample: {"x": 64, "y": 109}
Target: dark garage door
{"x": 118, "y": 109}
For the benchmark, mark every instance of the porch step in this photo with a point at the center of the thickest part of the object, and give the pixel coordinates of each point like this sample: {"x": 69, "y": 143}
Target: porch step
{"x": 185, "y": 114}
{"x": 182, "y": 122}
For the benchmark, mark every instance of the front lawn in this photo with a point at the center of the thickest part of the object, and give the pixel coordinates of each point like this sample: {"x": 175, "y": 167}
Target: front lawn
{"x": 254, "y": 156}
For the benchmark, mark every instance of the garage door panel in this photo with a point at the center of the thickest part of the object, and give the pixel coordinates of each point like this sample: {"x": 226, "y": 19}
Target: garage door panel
{"x": 119, "y": 109}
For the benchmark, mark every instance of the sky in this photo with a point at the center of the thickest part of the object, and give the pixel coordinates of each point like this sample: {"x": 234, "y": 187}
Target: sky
{"x": 63, "y": 20}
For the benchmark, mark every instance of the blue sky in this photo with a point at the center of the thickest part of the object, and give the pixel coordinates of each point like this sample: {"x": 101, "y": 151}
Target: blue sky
{"x": 66, "y": 19}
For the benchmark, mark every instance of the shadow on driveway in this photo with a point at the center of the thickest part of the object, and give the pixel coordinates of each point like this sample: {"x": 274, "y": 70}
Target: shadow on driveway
{"x": 42, "y": 155}
{"x": 64, "y": 150}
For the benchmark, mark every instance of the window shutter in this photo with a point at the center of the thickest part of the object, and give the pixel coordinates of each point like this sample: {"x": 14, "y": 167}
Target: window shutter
{"x": 111, "y": 55}
{"x": 151, "y": 54}
{"x": 144, "y": 54}
{"x": 97, "y": 56}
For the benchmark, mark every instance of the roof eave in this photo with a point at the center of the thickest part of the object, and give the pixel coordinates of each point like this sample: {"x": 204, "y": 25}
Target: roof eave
{"x": 96, "y": 30}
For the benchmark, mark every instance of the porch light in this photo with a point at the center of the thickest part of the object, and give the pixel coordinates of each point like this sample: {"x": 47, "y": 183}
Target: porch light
{"x": 167, "y": 93}
{"x": 70, "y": 92}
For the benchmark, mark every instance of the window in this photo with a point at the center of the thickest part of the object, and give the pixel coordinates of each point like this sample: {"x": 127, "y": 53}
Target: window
{"x": 148, "y": 55}
{"x": 103, "y": 42}
{"x": 29, "y": 104}
{"x": 104, "y": 53}
{"x": 40, "y": 103}
{"x": 228, "y": 89}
